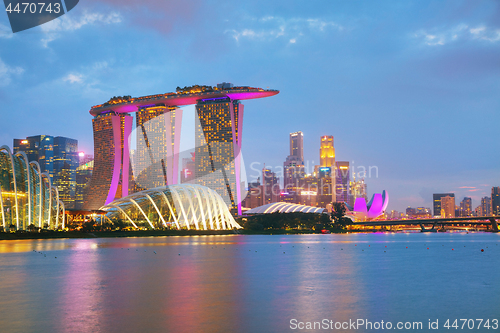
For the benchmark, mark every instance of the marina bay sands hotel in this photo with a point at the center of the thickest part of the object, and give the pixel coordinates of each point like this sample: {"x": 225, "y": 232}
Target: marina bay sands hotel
{"x": 120, "y": 170}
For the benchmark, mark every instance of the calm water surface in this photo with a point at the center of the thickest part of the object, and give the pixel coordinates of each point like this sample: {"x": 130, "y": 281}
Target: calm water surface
{"x": 246, "y": 283}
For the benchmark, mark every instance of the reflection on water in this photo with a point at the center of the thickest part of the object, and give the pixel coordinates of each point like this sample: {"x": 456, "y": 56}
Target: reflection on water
{"x": 244, "y": 283}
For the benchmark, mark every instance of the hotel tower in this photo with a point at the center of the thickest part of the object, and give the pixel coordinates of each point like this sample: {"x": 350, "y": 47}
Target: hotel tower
{"x": 153, "y": 161}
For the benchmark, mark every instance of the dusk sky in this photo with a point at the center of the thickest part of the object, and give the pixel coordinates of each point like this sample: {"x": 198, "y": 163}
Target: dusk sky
{"x": 409, "y": 87}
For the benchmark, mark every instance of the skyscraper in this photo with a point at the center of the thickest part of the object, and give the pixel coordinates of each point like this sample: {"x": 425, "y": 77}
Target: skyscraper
{"x": 65, "y": 164}
{"x": 495, "y": 201}
{"x": 485, "y": 206}
{"x": 270, "y": 186}
{"x": 466, "y": 207}
{"x": 297, "y": 146}
{"x": 39, "y": 148}
{"x": 83, "y": 176}
{"x": 357, "y": 189}
{"x": 448, "y": 206}
{"x": 342, "y": 179}
{"x": 111, "y": 159}
{"x": 293, "y": 167}
{"x": 58, "y": 157}
{"x": 327, "y": 152}
{"x": 218, "y": 144}
{"x": 436, "y": 198}
{"x": 156, "y": 159}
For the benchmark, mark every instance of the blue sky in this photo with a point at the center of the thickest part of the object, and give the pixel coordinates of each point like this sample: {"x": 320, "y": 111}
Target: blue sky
{"x": 411, "y": 87}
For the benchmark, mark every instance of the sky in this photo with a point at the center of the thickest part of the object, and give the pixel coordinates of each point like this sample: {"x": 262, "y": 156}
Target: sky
{"x": 409, "y": 88}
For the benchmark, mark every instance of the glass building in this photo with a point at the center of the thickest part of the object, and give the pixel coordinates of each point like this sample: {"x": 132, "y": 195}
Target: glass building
{"x": 27, "y": 197}
{"x": 185, "y": 206}
{"x": 218, "y": 143}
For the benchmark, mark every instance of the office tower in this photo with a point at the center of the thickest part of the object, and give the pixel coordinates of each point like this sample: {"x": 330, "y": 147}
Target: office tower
{"x": 294, "y": 173}
{"x": 297, "y": 146}
{"x": 270, "y": 186}
{"x": 65, "y": 164}
{"x": 327, "y": 152}
{"x": 342, "y": 179}
{"x": 39, "y": 148}
{"x": 357, "y": 189}
{"x": 156, "y": 159}
{"x": 422, "y": 213}
{"x": 254, "y": 195}
{"x": 466, "y": 207}
{"x": 218, "y": 144}
{"x": 436, "y": 198}
{"x": 485, "y": 206}
{"x": 111, "y": 159}
{"x": 293, "y": 167}
{"x": 410, "y": 212}
{"x": 83, "y": 176}
{"x": 448, "y": 206}
{"x": 495, "y": 201}
{"x": 56, "y": 156}
{"x": 188, "y": 169}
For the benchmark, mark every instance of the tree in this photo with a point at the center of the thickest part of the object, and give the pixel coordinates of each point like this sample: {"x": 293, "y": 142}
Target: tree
{"x": 118, "y": 223}
{"x": 32, "y": 228}
{"x": 338, "y": 215}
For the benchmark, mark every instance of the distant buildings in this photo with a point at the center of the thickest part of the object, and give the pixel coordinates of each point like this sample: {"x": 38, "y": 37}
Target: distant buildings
{"x": 418, "y": 213}
{"x": 357, "y": 189}
{"x": 293, "y": 167}
{"x": 448, "y": 206}
{"x": 39, "y": 148}
{"x": 83, "y": 176}
{"x": 495, "y": 201}
{"x": 270, "y": 186}
{"x": 465, "y": 207}
{"x": 436, "y": 198}
{"x": 327, "y": 152}
{"x": 58, "y": 157}
{"x": 485, "y": 207}
{"x": 342, "y": 179}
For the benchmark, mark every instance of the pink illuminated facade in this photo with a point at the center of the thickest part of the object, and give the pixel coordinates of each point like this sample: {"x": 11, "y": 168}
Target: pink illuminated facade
{"x": 218, "y": 152}
{"x": 375, "y": 208}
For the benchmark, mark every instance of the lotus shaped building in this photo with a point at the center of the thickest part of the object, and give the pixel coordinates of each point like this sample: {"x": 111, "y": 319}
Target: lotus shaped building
{"x": 375, "y": 207}
{"x": 185, "y": 206}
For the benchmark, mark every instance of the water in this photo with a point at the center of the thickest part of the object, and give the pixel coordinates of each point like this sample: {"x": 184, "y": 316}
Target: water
{"x": 247, "y": 283}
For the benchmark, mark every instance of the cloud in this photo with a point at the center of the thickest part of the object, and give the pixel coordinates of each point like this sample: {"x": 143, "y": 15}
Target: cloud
{"x": 54, "y": 28}
{"x": 73, "y": 78}
{"x": 5, "y": 32}
{"x": 270, "y": 28}
{"x": 461, "y": 32}
{"x": 6, "y": 73}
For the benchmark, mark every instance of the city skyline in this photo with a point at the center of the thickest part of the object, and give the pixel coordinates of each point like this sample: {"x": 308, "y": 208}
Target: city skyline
{"x": 409, "y": 88}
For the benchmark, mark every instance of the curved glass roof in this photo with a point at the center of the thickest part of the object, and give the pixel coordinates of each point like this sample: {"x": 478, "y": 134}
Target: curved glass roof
{"x": 187, "y": 206}
{"x": 284, "y": 207}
